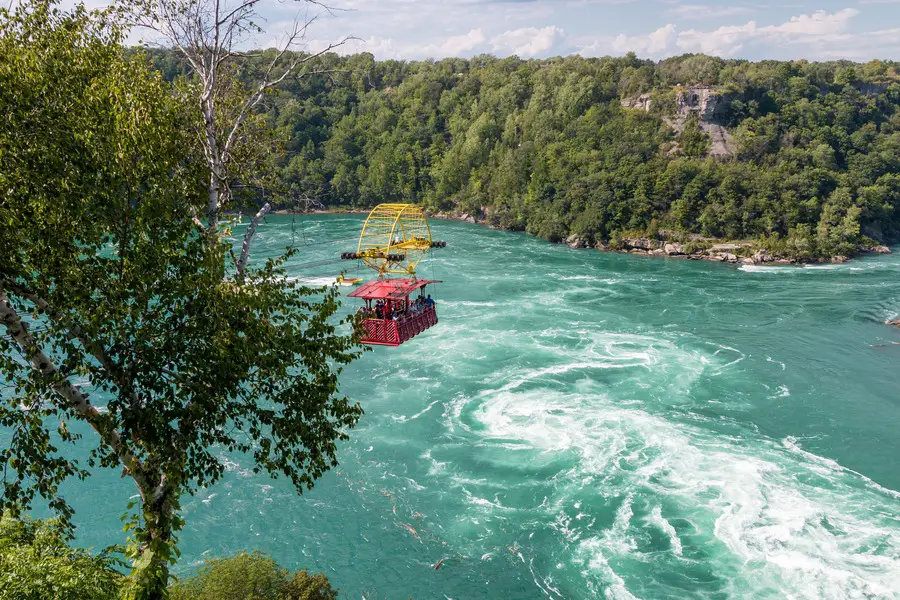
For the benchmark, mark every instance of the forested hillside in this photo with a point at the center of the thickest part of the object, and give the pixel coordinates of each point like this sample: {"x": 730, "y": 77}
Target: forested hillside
{"x": 546, "y": 146}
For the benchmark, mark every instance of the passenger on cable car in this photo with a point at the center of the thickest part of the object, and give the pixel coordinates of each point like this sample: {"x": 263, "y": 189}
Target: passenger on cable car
{"x": 429, "y": 303}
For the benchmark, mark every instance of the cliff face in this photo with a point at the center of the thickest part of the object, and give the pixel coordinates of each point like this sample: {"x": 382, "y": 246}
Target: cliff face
{"x": 707, "y": 103}
{"x": 702, "y": 100}
{"x": 641, "y": 102}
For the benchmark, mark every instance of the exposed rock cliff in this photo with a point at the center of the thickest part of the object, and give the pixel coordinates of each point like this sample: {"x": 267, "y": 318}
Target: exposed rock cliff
{"x": 707, "y": 103}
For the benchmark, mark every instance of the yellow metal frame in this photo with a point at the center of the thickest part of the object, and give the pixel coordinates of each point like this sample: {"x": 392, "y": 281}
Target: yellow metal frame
{"x": 394, "y": 229}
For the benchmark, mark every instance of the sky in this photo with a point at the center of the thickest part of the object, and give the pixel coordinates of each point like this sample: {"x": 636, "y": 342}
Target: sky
{"x": 416, "y": 29}
{"x": 858, "y": 30}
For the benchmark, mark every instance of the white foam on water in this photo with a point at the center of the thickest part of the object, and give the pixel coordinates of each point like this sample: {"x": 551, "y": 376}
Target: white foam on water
{"x": 484, "y": 502}
{"x": 854, "y": 267}
{"x": 777, "y": 362}
{"x": 764, "y": 269}
{"x": 831, "y": 537}
{"x": 613, "y": 586}
{"x": 312, "y": 281}
{"x": 545, "y": 584}
{"x": 657, "y": 519}
{"x": 403, "y": 418}
{"x": 593, "y": 278}
{"x": 737, "y": 356}
{"x": 781, "y": 392}
{"x": 794, "y": 446}
{"x": 471, "y": 303}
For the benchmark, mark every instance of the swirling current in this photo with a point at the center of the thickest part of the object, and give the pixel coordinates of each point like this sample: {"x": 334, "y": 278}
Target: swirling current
{"x": 589, "y": 425}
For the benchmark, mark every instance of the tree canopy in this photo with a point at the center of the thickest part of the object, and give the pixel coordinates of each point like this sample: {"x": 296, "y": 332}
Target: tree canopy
{"x": 546, "y": 145}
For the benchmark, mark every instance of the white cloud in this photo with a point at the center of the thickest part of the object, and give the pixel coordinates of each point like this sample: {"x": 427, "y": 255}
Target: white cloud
{"x": 724, "y": 41}
{"x": 818, "y": 23}
{"x": 816, "y": 32}
{"x": 582, "y": 3}
{"x": 381, "y": 48}
{"x": 527, "y": 41}
{"x": 652, "y": 44}
{"x": 390, "y": 48}
{"x": 459, "y": 44}
{"x": 417, "y": 29}
{"x": 804, "y": 29}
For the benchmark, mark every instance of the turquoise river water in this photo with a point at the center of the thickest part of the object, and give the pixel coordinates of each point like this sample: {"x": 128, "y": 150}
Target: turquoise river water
{"x": 590, "y": 425}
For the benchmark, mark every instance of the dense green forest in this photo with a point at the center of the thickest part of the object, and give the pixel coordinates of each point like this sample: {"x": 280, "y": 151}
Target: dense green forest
{"x": 547, "y": 146}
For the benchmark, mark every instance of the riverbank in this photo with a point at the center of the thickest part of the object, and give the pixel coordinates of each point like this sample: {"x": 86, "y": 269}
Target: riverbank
{"x": 688, "y": 246}
{"x": 666, "y": 244}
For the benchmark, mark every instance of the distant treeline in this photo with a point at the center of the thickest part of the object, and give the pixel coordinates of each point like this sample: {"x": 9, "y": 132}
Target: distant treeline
{"x": 545, "y": 146}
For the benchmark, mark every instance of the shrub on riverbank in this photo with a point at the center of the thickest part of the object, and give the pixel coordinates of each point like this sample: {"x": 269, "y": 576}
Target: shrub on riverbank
{"x": 251, "y": 576}
{"x": 37, "y": 562}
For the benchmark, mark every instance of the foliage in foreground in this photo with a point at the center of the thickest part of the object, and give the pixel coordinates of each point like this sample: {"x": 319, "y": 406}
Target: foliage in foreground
{"x": 37, "y": 563}
{"x": 546, "y": 146}
{"x": 251, "y": 576}
{"x": 123, "y": 329}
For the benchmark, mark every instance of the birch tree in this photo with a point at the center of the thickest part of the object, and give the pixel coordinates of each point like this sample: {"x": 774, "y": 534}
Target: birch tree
{"x": 119, "y": 331}
{"x": 211, "y": 35}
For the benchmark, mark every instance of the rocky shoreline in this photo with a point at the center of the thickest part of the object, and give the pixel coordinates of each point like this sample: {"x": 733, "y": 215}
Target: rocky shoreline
{"x": 696, "y": 248}
{"x": 699, "y": 248}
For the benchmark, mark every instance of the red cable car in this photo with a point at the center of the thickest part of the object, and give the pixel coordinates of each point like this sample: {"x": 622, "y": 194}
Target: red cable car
{"x": 394, "y": 239}
{"x": 389, "y": 318}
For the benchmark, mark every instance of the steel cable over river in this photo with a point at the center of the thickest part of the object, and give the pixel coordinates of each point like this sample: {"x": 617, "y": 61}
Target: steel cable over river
{"x": 583, "y": 424}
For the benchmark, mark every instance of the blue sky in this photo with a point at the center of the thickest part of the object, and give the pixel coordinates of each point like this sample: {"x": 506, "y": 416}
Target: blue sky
{"x": 414, "y": 29}
{"x": 417, "y": 29}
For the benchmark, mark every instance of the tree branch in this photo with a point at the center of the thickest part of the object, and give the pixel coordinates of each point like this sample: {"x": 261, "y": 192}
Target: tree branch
{"x": 248, "y": 238}
{"x": 196, "y": 219}
{"x": 74, "y": 398}
{"x": 72, "y": 331}
{"x": 205, "y": 33}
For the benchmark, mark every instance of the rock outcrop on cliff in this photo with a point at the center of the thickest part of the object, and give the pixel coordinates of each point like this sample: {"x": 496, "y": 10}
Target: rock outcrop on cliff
{"x": 707, "y": 103}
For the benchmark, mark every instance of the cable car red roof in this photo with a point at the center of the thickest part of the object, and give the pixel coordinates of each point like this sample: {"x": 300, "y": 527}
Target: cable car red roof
{"x": 390, "y": 289}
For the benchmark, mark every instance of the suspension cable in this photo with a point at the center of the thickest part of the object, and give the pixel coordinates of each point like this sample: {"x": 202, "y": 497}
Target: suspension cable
{"x": 316, "y": 263}
{"x": 354, "y": 237}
